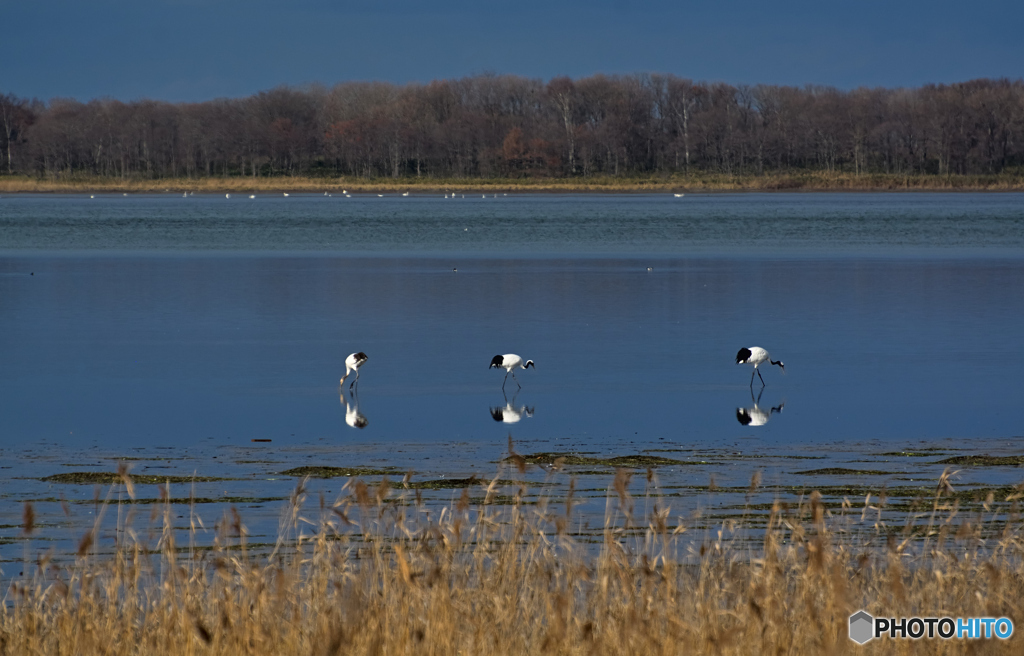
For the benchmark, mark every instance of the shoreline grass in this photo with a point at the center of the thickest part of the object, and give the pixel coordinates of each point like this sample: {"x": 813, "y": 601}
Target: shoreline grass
{"x": 699, "y": 183}
{"x": 360, "y": 575}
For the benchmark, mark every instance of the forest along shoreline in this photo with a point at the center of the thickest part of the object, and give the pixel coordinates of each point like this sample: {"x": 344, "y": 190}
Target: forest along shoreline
{"x": 674, "y": 183}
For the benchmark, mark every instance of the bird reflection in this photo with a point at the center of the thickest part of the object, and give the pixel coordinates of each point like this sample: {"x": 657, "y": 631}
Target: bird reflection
{"x": 755, "y": 416}
{"x": 353, "y": 417}
{"x": 511, "y": 413}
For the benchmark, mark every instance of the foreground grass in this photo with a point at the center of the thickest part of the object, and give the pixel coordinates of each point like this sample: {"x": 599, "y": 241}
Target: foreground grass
{"x": 799, "y": 181}
{"x": 367, "y": 575}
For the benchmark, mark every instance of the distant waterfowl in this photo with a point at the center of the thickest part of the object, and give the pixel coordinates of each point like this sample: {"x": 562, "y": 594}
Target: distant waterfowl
{"x": 755, "y": 355}
{"x": 285, "y": 195}
{"x": 227, "y": 195}
{"x": 252, "y": 195}
{"x": 406, "y": 193}
{"x": 678, "y": 195}
{"x": 380, "y": 195}
{"x": 92, "y": 197}
{"x": 352, "y": 363}
{"x": 508, "y": 362}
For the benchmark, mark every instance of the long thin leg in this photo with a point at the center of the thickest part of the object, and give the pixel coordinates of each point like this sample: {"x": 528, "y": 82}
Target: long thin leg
{"x": 752, "y": 381}
{"x": 354, "y": 381}
{"x": 517, "y": 380}
{"x": 506, "y": 380}
{"x": 759, "y": 376}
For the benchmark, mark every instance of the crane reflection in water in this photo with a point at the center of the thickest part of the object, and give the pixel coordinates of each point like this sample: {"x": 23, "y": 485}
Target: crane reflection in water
{"x": 353, "y": 417}
{"x": 755, "y": 416}
{"x": 510, "y": 413}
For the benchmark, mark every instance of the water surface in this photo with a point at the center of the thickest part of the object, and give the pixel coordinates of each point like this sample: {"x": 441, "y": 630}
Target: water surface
{"x": 178, "y": 330}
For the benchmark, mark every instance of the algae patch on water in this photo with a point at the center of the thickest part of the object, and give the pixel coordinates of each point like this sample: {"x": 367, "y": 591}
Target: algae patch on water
{"x": 108, "y": 478}
{"x": 336, "y": 472}
{"x": 840, "y": 471}
{"x": 983, "y": 461}
{"x": 637, "y": 461}
{"x": 447, "y": 483}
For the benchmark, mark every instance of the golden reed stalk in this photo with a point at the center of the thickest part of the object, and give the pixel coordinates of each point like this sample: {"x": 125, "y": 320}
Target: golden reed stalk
{"x": 378, "y": 572}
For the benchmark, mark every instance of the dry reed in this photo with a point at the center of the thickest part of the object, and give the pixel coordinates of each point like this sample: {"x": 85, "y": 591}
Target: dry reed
{"x": 378, "y": 572}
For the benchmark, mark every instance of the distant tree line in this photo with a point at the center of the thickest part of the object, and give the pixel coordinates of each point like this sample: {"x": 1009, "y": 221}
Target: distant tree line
{"x": 508, "y": 126}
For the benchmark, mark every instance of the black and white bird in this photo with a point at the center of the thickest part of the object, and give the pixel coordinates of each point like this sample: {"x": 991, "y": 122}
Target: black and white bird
{"x": 755, "y": 355}
{"x": 352, "y": 363}
{"x": 755, "y": 416}
{"x": 508, "y": 362}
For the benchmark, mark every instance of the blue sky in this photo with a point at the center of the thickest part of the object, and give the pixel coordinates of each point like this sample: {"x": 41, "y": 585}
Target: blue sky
{"x": 187, "y": 50}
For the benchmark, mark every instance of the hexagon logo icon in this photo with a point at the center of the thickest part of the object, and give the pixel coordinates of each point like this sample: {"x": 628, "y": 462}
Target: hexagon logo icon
{"x": 861, "y": 627}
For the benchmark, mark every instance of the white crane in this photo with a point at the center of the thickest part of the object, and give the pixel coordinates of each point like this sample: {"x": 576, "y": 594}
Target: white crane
{"x": 352, "y": 363}
{"x": 755, "y": 355}
{"x": 508, "y": 362}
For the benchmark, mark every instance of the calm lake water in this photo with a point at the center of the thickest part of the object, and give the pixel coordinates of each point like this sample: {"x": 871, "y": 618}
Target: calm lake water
{"x": 178, "y": 330}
